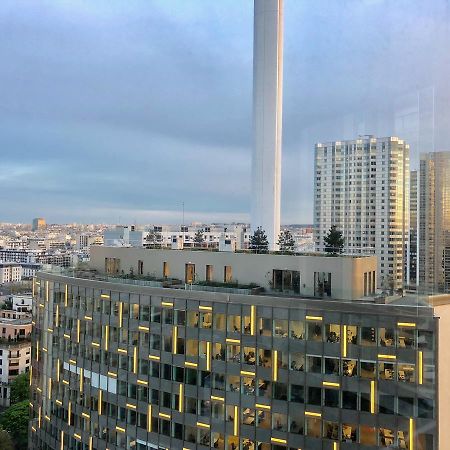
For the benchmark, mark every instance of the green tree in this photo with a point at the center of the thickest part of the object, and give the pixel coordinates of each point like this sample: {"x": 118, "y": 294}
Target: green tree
{"x": 6, "y": 442}
{"x": 199, "y": 238}
{"x": 286, "y": 242}
{"x": 259, "y": 242}
{"x": 334, "y": 242}
{"x": 20, "y": 388}
{"x": 15, "y": 421}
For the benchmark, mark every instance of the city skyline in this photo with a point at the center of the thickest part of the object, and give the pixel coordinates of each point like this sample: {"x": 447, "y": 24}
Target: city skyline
{"x": 92, "y": 92}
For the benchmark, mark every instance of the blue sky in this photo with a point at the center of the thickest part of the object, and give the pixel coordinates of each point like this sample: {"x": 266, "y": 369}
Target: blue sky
{"x": 119, "y": 111}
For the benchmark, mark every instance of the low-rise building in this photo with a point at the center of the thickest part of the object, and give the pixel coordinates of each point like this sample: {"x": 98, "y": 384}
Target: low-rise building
{"x": 10, "y": 272}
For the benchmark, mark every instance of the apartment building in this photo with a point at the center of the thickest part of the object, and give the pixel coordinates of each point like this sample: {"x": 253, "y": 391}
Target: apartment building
{"x": 362, "y": 187}
{"x": 10, "y": 273}
{"x": 128, "y": 363}
{"x": 434, "y": 222}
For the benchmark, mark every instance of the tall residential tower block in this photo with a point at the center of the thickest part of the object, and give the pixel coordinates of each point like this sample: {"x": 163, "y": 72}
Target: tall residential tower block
{"x": 362, "y": 187}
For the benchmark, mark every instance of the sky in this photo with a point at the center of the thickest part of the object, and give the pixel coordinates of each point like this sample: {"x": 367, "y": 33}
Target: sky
{"x": 118, "y": 112}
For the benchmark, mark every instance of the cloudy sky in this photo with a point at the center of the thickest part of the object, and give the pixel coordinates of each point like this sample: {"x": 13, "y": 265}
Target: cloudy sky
{"x": 119, "y": 111}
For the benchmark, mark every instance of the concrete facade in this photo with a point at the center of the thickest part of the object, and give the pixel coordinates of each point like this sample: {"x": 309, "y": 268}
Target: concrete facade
{"x": 267, "y": 117}
{"x": 349, "y": 276}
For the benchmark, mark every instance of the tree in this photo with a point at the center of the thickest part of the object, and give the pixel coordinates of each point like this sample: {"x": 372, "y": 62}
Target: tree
{"x": 334, "y": 242}
{"x": 286, "y": 242}
{"x": 199, "y": 238}
{"x": 20, "y": 388}
{"x": 259, "y": 242}
{"x": 6, "y": 442}
{"x": 15, "y": 421}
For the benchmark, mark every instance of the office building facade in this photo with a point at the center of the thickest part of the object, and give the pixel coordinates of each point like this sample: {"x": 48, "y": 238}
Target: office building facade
{"x": 128, "y": 365}
{"x": 412, "y": 266}
{"x": 434, "y": 222}
{"x": 362, "y": 187}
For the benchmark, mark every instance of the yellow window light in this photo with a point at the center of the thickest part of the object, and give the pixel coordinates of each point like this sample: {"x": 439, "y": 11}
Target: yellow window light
{"x": 81, "y": 379}
{"x": 112, "y": 374}
{"x": 180, "y": 400}
{"x": 233, "y": 341}
{"x": 135, "y": 360}
{"x": 149, "y": 418}
{"x": 205, "y": 308}
{"x": 208, "y": 356}
{"x": 278, "y": 441}
{"x": 275, "y": 365}
{"x": 105, "y": 296}
{"x": 154, "y": 357}
{"x": 246, "y": 373}
{"x": 217, "y": 399}
{"x": 78, "y": 331}
{"x": 203, "y": 425}
{"x": 90, "y": 442}
{"x": 261, "y": 406}
{"x": 130, "y": 406}
{"x": 143, "y": 328}
{"x": 77, "y": 436}
{"x": 62, "y": 440}
{"x": 330, "y": 384}
{"x": 252, "y": 320}
{"x": 85, "y": 415}
{"x": 66, "y": 382}
{"x": 420, "y": 366}
{"x": 49, "y": 389}
{"x": 67, "y": 336}
{"x": 236, "y": 421}
{"x": 100, "y": 396}
{"x": 411, "y": 434}
{"x": 318, "y": 318}
{"x": 406, "y": 324}
{"x": 142, "y": 382}
{"x": 120, "y": 314}
{"x": 120, "y": 429}
{"x": 122, "y": 350}
{"x": 174, "y": 339}
{"x": 190, "y": 364}
{"x": 387, "y": 357}
{"x": 66, "y": 295}
{"x": 344, "y": 342}
{"x": 312, "y": 414}
{"x": 57, "y": 316}
{"x": 164, "y": 416}
{"x": 46, "y": 291}
{"x": 87, "y": 317}
{"x": 95, "y": 344}
{"x": 106, "y": 337}
{"x": 69, "y": 413}
{"x": 58, "y": 402}
{"x": 167, "y": 304}
{"x": 58, "y": 369}
{"x": 47, "y": 418}
{"x": 372, "y": 397}
{"x": 50, "y": 330}
{"x": 72, "y": 361}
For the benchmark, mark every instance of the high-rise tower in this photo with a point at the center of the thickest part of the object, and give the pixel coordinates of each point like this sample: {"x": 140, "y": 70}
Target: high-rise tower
{"x": 267, "y": 117}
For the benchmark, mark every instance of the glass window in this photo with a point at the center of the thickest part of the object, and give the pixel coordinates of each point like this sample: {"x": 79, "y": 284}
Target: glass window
{"x": 406, "y": 406}
{"x": 406, "y": 337}
{"x": 349, "y": 432}
{"x": 219, "y": 322}
{"x": 406, "y": 372}
{"x": 331, "y": 398}
{"x": 315, "y": 396}
{"x": 332, "y": 333}
{"x": 248, "y": 385}
{"x": 265, "y": 326}
{"x": 279, "y": 421}
{"x": 313, "y": 427}
{"x": 314, "y": 364}
{"x": 297, "y": 393}
{"x": 249, "y": 356}
{"x": 280, "y": 328}
{"x": 192, "y": 319}
{"x": 206, "y": 320}
{"x": 386, "y": 337}
{"x": 314, "y": 330}
{"x": 349, "y": 400}
{"x": 386, "y": 404}
{"x": 368, "y": 336}
{"x": 297, "y": 362}
{"x": 368, "y": 370}
{"x": 425, "y": 339}
{"x": 234, "y": 353}
{"x": 387, "y": 437}
{"x": 425, "y": 408}
{"x": 352, "y": 335}
{"x": 386, "y": 371}
{"x": 331, "y": 430}
{"x": 234, "y": 324}
{"x": 180, "y": 317}
{"x": 332, "y": 366}
{"x": 349, "y": 367}
{"x": 367, "y": 435}
{"x": 297, "y": 328}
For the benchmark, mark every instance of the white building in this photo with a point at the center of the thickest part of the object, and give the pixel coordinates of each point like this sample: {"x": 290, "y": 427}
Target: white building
{"x": 22, "y": 303}
{"x": 29, "y": 270}
{"x": 85, "y": 240}
{"x": 267, "y": 117}
{"x": 362, "y": 187}
{"x": 10, "y": 273}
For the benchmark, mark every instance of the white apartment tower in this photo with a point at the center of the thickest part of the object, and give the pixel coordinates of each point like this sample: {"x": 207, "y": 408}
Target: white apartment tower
{"x": 434, "y": 222}
{"x": 267, "y": 117}
{"x": 362, "y": 187}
